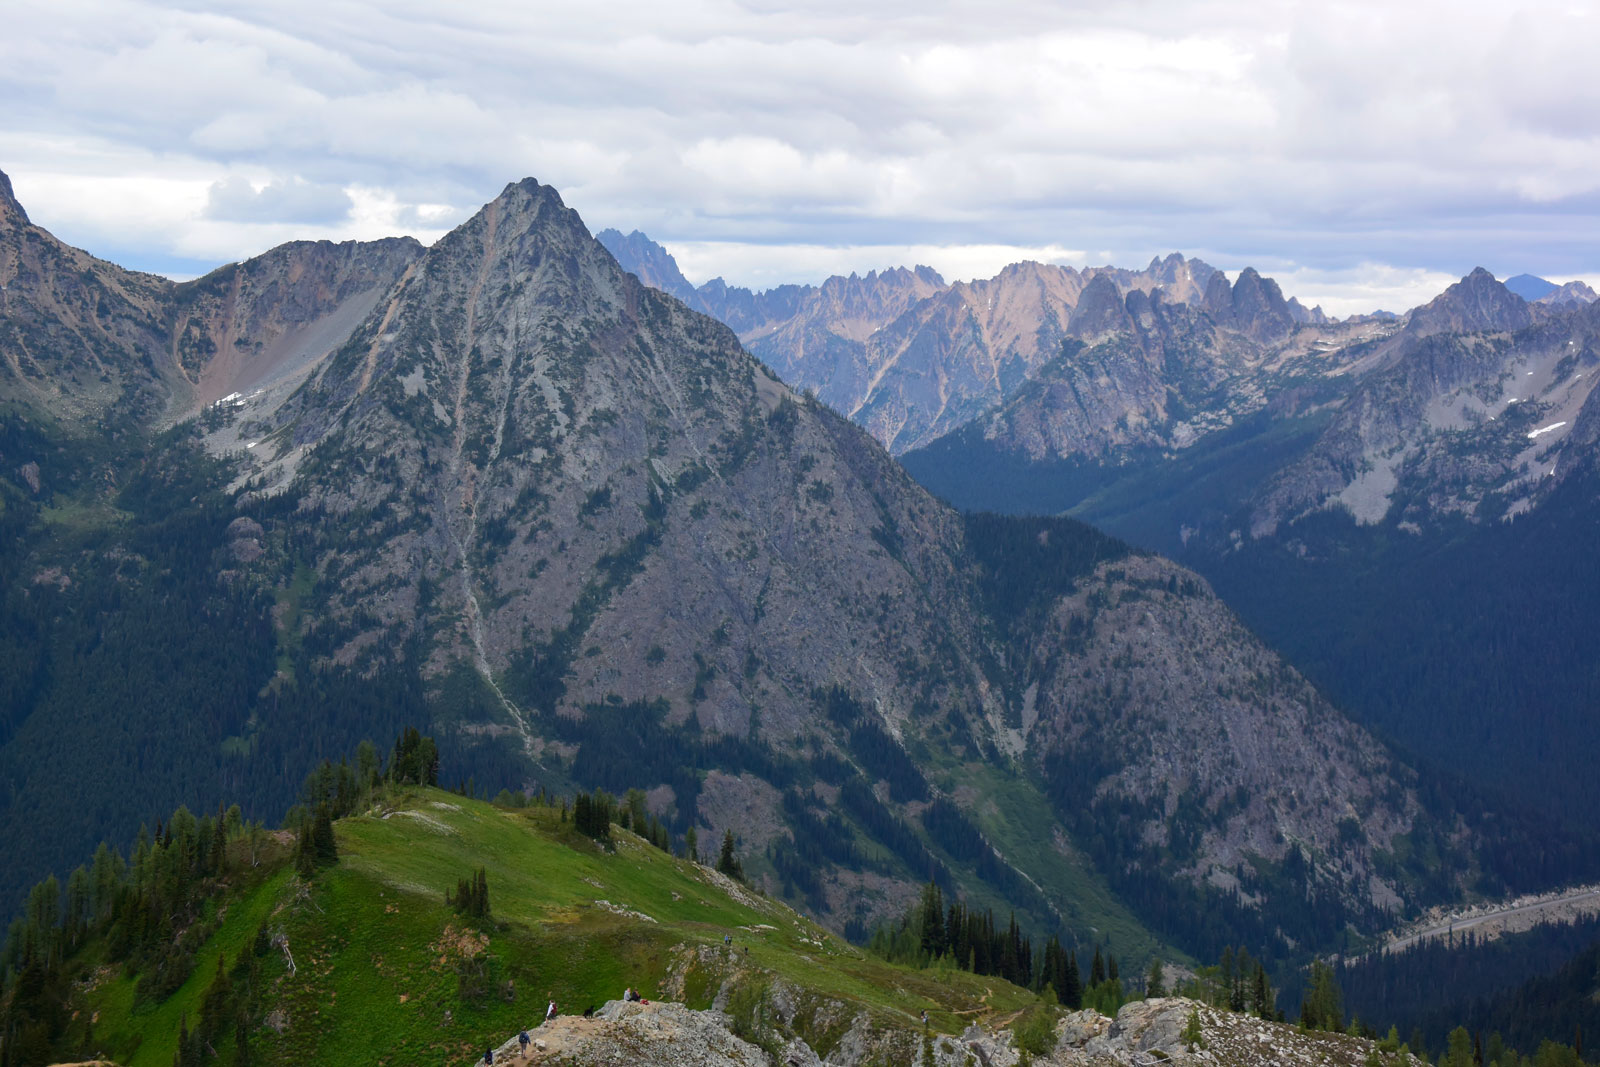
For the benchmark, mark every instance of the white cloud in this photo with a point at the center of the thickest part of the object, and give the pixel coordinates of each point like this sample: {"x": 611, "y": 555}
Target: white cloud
{"x": 1313, "y": 140}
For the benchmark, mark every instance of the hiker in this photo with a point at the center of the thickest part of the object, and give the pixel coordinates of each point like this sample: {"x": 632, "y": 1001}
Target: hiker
{"x": 924, "y": 1016}
{"x": 488, "y": 1054}
{"x": 627, "y": 995}
{"x": 727, "y": 939}
{"x": 550, "y": 1012}
{"x": 523, "y": 1039}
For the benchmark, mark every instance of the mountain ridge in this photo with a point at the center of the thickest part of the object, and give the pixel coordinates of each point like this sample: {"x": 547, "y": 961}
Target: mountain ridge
{"x": 600, "y": 541}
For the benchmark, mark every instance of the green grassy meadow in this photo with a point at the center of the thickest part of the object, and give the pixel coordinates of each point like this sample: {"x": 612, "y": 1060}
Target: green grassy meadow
{"x": 386, "y": 973}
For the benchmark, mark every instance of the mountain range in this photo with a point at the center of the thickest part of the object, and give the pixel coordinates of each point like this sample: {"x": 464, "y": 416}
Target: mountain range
{"x": 501, "y": 486}
{"x": 910, "y": 357}
{"x": 1400, "y": 502}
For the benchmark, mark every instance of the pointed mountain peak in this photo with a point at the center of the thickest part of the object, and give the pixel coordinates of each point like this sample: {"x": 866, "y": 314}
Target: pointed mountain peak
{"x": 1259, "y": 306}
{"x": 11, "y": 212}
{"x": 1218, "y": 300}
{"x": 651, "y": 263}
{"x": 1101, "y": 309}
{"x": 1477, "y": 302}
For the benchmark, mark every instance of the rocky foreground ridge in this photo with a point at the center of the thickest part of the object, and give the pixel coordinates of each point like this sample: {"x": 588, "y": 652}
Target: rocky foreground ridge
{"x": 1143, "y": 1032}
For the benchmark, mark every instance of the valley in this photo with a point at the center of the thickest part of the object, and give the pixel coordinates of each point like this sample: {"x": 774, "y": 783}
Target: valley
{"x": 500, "y": 487}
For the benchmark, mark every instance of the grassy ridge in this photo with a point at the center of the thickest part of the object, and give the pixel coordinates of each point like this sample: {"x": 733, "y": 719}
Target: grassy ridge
{"x": 386, "y": 973}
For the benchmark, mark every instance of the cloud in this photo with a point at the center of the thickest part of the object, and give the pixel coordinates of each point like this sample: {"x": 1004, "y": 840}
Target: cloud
{"x": 1313, "y": 140}
{"x": 239, "y": 200}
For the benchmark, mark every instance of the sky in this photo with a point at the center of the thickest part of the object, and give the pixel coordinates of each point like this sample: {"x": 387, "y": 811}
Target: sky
{"x": 1365, "y": 154}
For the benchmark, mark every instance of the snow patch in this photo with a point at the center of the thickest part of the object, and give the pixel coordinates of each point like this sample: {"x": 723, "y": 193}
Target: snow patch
{"x": 1547, "y": 429}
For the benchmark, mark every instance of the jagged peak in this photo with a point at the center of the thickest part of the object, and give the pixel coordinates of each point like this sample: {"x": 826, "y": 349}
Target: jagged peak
{"x": 525, "y": 209}
{"x": 1478, "y": 281}
{"x": 1477, "y": 302}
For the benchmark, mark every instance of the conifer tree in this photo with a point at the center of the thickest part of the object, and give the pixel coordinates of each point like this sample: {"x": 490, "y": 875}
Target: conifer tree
{"x": 305, "y": 852}
{"x": 727, "y": 862}
{"x": 1262, "y": 1001}
{"x": 322, "y": 840}
{"x": 1155, "y": 984}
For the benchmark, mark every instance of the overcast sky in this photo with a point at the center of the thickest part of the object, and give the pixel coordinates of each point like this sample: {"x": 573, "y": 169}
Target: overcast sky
{"x": 1365, "y": 154}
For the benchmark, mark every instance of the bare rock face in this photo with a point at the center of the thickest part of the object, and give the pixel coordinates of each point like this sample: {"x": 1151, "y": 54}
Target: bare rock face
{"x": 11, "y": 212}
{"x": 653, "y": 265}
{"x": 80, "y": 336}
{"x": 248, "y": 326}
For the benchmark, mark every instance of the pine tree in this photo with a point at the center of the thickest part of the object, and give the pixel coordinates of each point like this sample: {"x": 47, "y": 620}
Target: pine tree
{"x": 1458, "y": 1052}
{"x": 216, "y": 1003}
{"x": 932, "y": 921}
{"x": 691, "y": 844}
{"x": 1263, "y": 1003}
{"x": 305, "y": 853}
{"x": 1072, "y": 994}
{"x": 323, "y": 843}
{"x": 1155, "y": 984}
{"x": 1097, "y": 969}
{"x": 727, "y": 862}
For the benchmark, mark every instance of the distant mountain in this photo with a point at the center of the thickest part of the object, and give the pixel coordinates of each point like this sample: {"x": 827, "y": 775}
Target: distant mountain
{"x": 911, "y": 358}
{"x": 1530, "y": 287}
{"x": 1354, "y": 501}
{"x": 501, "y": 486}
{"x": 1570, "y": 293}
{"x": 651, "y": 264}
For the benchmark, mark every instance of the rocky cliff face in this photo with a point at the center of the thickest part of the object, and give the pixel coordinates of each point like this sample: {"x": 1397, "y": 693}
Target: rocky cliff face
{"x": 1143, "y": 372}
{"x": 267, "y": 321}
{"x": 651, "y": 264}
